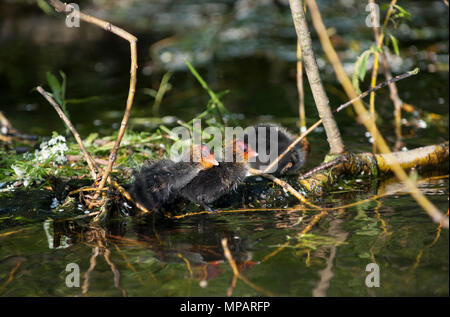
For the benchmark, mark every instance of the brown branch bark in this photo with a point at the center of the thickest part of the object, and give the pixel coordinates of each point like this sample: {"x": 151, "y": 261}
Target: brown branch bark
{"x": 87, "y": 156}
{"x": 312, "y": 71}
{"x": 62, "y": 7}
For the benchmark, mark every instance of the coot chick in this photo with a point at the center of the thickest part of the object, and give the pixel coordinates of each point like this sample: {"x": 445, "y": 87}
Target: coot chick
{"x": 272, "y": 140}
{"x": 157, "y": 183}
{"x": 211, "y": 184}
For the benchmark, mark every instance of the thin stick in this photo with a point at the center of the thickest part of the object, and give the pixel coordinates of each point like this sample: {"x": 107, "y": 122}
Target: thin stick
{"x": 300, "y": 89}
{"x": 91, "y": 163}
{"x": 285, "y": 185}
{"x": 62, "y": 7}
{"x": 329, "y": 50}
{"x": 379, "y": 38}
{"x": 340, "y": 108}
{"x": 322, "y": 167}
{"x": 128, "y": 196}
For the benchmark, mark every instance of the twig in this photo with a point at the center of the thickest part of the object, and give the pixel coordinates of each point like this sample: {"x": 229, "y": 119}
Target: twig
{"x": 8, "y": 130}
{"x": 322, "y": 167}
{"x": 340, "y": 108}
{"x": 91, "y": 163}
{"x": 128, "y": 196}
{"x": 285, "y": 185}
{"x": 62, "y": 7}
{"x": 300, "y": 89}
{"x": 312, "y": 71}
{"x": 431, "y": 210}
{"x": 379, "y": 38}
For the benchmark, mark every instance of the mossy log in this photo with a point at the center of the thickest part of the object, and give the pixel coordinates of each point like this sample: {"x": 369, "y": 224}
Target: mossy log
{"x": 358, "y": 164}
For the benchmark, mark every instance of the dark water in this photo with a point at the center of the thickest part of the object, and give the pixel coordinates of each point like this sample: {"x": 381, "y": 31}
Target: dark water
{"x": 184, "y": 257}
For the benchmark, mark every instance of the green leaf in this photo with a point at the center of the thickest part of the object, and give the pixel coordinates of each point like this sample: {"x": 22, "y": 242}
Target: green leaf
{"x": 360, "y": 68}
{"x": 54, "y": 84}
{"x": 402, "y": 12}
{"x": 394, "y": 44}
{"x": 63, "y": 86}
{"x": 45, "y": 7}
{"x": 82, "y": 100}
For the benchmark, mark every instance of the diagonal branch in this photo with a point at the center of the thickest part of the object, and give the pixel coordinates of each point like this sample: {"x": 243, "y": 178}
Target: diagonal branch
{"x": 66, "y": 9}
{"x": 91, "y": 163}
{"x": 312, "y": 71}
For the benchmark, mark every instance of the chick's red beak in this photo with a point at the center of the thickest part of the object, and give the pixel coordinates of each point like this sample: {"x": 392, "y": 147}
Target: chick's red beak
{"x": 251, "y": 153}
{"x": 211, "y": 160}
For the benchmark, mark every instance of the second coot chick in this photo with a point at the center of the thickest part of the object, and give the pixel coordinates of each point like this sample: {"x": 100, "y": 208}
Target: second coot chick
{"x": 157, "y": 183}
{"x": 211, "y": 184}
{"x": 266, "y": 144}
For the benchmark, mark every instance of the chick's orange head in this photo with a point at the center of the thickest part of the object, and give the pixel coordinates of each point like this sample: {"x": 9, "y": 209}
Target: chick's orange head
{"x": 207, "y": 158}
{"x": 243, "y": 150}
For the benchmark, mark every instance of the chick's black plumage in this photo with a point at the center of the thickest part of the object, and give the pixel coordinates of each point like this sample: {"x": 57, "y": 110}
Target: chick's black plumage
{"x": 155, "y": 183}
{"x": 211, "y": 184}
{"x": 273, "y": 146}
{"x": 159, "y": 182}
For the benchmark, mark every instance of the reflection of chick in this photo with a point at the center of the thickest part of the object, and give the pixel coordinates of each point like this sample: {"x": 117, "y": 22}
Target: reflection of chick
{"x": 292, "y": 161}
{"x": 157, "y": 183}
{"x": 211, "y": 184}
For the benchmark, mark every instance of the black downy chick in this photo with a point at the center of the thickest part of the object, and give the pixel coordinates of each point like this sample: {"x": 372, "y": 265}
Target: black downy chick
{"x": 157, "y": 183}
{"x": 266, "y": 144}
{"x": 211, "y": 184}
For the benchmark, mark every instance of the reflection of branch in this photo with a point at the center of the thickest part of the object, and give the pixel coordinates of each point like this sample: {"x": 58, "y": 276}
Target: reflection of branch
{"x": 311, "y": 224}
{"x": 236, "y": 272}
{"x": 10, "y": 277}
{"x": 93, "y": 263}
{"x": 188, "y": 264}
{"x": 327, "y": 273}
{"x": 115, "y": 271}
{"x": 419, "y": 255}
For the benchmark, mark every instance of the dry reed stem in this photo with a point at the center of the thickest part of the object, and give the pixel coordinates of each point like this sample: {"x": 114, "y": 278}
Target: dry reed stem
{"x": 301, "y": 90}
{"x": 379, "y": 38}
{"x": 87, "y": 156}
{"x": 62, "y": 7}
{"x": 329, "y": 50}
